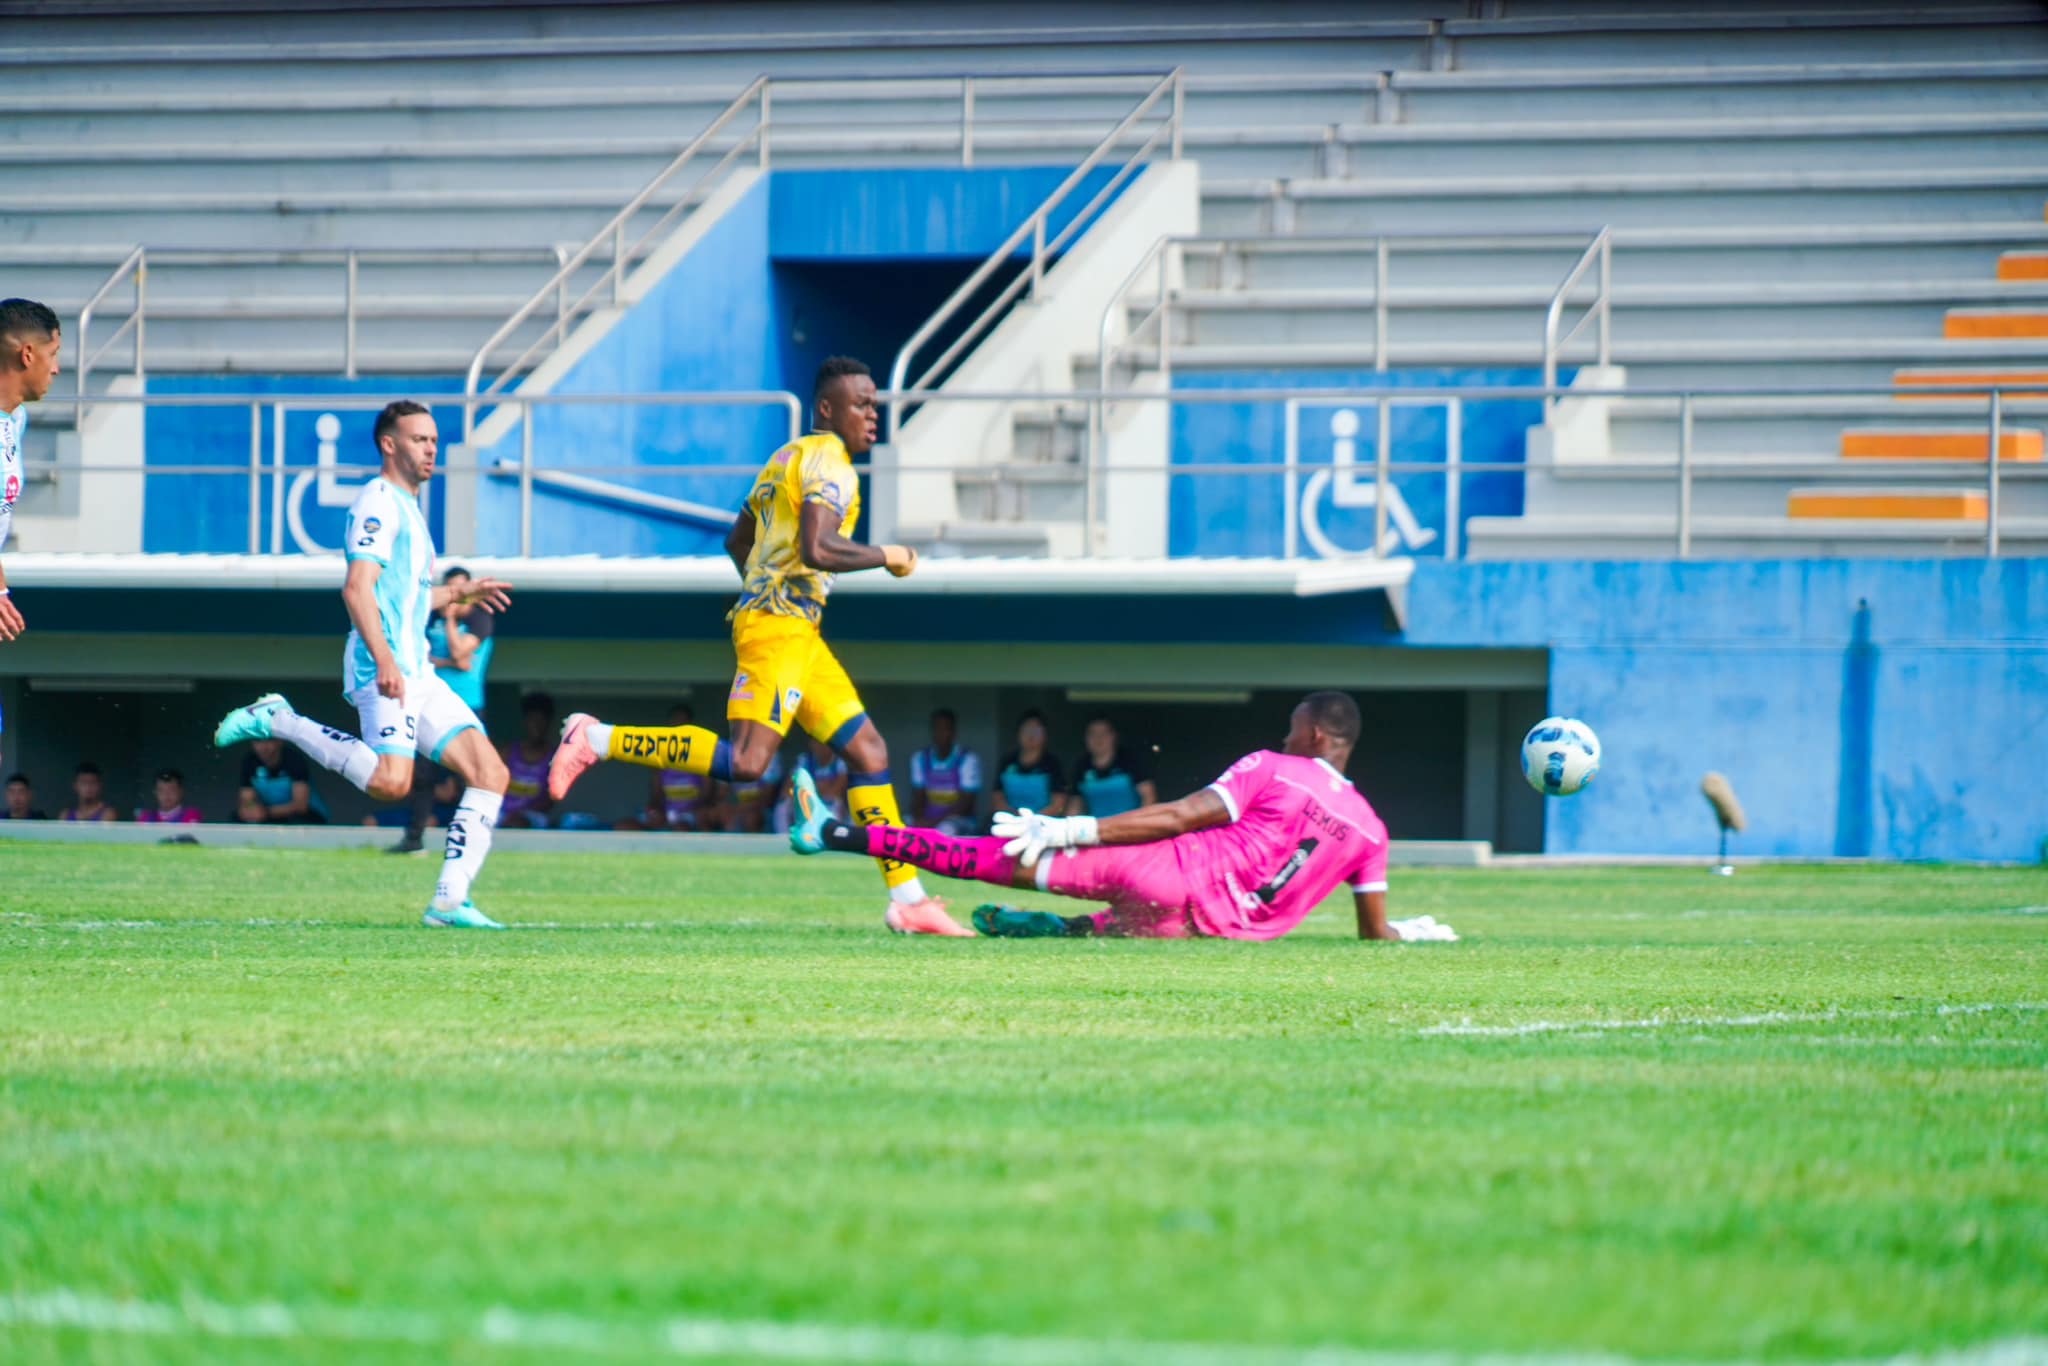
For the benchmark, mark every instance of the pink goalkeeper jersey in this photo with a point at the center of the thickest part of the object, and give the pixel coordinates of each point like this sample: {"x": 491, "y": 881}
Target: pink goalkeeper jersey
{"x": 1298, "y": 828}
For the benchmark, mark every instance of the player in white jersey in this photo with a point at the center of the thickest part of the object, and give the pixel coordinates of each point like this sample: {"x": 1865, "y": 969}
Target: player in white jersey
{"x": 406, "y": 708}
{"x": 29, "y": 343}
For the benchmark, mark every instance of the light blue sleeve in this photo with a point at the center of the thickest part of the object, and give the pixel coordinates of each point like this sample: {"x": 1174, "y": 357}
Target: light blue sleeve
{"x": 374, "y": 522}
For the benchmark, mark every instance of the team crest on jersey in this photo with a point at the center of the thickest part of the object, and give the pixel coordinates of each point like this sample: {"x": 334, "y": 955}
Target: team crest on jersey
{"x": 371, "y": 526}
{"x": 740, "y": 691}
{"x": 1247, "y": 764}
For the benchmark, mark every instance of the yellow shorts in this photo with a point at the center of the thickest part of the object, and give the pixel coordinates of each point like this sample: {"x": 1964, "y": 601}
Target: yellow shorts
{"x": 787, "y": 673}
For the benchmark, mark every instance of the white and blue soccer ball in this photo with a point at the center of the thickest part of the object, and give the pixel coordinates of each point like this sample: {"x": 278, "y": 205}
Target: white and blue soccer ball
{"x": 1560, "y": 756}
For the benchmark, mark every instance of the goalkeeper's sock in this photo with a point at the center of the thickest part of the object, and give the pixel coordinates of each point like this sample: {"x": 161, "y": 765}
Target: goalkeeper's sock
{"x": 979, "y": 858}
{"x": 872, "y": 799}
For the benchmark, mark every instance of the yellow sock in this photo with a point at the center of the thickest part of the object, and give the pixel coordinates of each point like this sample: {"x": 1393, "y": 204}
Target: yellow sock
{"x": 689, "y": 748}
{"x": 875, "y": 804}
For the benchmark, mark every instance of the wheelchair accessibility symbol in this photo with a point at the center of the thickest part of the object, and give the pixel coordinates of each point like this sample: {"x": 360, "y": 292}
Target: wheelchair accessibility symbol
{"x": 1333, "y": 497}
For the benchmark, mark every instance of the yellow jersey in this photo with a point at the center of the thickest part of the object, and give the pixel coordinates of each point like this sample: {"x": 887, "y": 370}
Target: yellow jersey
{"x": 811, "y": 469}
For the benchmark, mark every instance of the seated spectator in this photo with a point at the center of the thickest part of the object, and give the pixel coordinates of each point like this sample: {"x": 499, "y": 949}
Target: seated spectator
{"x": 21, "y": 801}
{"x": 747, "y": 804}
{"x": 676, "y": 799}
{"x": 1030, "y": 778}
{"x": 277, "y": 787}
{"x": 527, "y": 803}
{"x": 828, "y": 771}
{"x": 170, "y": 808}
{"x": 1113, "y": 780}
{"x": 945, "y": 780}
{"x": 86, "y": 786}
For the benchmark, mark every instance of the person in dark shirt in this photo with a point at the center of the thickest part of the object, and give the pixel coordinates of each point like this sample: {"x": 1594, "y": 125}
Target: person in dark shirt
{"x": 1113, "y": 780}
{"x": 89, "y": 788}
{"x": 21, "y": 801}
{"x": 277, "y": 787}
{"x": 1031, "y": 779}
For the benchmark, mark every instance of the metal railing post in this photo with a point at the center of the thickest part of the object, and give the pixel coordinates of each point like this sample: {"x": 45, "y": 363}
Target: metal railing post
{"x": 1290, "y": 477}
{"x": 1379, "y": 304}
{"x": 348, "y": 343}
{"x": 1165, "y": 318}
{"x": 277, "y": 479}
{"x": 255, "y": 479}
{"x": 1179, "y": 110}
{"x": 618, "y": 262}
{"x": 526, "y": 481}
{"x": 1037, "y": 253}
{"x": 1684, "y": 476}
{"x": 761, "y": 128}
{"x": 1382, "y": 476}
{"x": 141, "y": 311}
{"x": 1991, "y": 475}
{"x": 967, "y": 120}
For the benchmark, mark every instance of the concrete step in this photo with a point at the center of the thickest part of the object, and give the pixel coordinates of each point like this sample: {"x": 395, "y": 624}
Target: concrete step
{"x": 968, "y": 537}
{"x": 1891, "y": 504}
{"x": 1054, "y": 436}
{"x": 1655, "y": 536}
{"x": 1010, "y": 494}
{"x": 2021, "y": 444}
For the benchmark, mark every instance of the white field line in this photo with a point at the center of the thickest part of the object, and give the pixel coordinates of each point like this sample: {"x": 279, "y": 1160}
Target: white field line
{"x": 699, "y": 1337}
{"x": 1762, "y": 1019}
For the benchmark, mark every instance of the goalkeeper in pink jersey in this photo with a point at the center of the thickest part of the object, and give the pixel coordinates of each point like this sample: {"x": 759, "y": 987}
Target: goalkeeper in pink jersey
{"x": 1247, "y": 857}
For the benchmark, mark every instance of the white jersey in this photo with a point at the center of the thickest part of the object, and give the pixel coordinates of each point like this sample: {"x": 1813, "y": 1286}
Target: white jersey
{"x": 386, "y": 527}
{"x": 13, "y": 435}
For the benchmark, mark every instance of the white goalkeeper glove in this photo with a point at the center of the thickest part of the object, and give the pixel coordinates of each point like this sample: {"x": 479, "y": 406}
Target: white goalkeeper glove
{"x": 1423, "y": 929}
{"x": 1030, "y": 834}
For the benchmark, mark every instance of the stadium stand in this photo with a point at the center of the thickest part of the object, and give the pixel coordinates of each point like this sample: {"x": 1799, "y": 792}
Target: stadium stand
{"x": 1814, "y": 197}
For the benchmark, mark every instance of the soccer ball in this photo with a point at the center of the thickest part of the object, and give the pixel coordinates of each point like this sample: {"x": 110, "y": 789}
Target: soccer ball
{"x": 1560, "y": 756}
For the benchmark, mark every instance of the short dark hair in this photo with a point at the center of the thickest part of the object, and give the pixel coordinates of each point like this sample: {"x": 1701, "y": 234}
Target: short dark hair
{"x": 23, "y": 318}
{"x": 21, "y": 778}
{"x": 1099, "y": 716}
{"x": 1335, "y": 715}
{"x": 945, "y": 713}
{"x": 171, "y": 775}
{"x": 689, "y": 712}
{"x": 87, "y": 767}
{"x": 1032, "y": 714}
{"x": 836, "y": 368}
{"x": 453, "y": 571}
{"x": 537, "y": 701}
{"x": 387, "y": 420}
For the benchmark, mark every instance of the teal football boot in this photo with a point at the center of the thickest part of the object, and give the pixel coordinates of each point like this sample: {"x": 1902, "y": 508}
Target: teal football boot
{"x": 251, "y": 722}
{"x": 1008, "y": 922}
{"x": 807, "y": 831}
{"x": 463, "y": 917}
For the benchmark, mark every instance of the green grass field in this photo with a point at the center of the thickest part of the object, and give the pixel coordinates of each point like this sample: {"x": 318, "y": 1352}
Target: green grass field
{"x": 249, "y": 1111}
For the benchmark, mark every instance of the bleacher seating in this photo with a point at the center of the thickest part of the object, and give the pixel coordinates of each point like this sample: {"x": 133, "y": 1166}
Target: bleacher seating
{"x": 1819, "y": 197}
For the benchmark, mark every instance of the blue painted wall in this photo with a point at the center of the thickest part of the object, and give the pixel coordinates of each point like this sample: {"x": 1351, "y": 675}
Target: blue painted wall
{"x": 890, "y": 215}
{"x": 210, "y": 512}
{"x": 1890, "y": 708}
{"x": 1222, "y": 514}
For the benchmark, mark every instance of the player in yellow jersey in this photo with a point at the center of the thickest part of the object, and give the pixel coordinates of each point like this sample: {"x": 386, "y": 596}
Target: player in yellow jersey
{"x": 789, "y": 539}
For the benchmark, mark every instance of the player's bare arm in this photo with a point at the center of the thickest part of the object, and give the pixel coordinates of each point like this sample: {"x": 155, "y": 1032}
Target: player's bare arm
{"x": 495, "y": 594}
{"x": 821, "y": 545}
{"x": 739, "y": 542}
{"x": 1164, "y": 820}
{"x": 1372, "y": 915}
{"x": 359, "y": 595}
{"x": 11, "y": 624}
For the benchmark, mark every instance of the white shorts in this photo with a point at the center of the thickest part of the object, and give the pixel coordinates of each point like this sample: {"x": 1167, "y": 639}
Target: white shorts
{"x": 422, "y": 722}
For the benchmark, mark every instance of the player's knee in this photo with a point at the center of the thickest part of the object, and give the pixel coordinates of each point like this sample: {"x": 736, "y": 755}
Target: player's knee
{"x": 866, "y": 753}
{"x": 749, "y": 765}
{"x": 391, "y": 782}
{"x": 490, "y": 772}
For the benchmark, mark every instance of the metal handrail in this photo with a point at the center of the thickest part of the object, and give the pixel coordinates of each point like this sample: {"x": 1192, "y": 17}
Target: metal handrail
{"x": 136, "y": 264}
{"x": 614, "y": 232}
{"x": 1033, "y": 228}
{"x": 1599, "y": 253}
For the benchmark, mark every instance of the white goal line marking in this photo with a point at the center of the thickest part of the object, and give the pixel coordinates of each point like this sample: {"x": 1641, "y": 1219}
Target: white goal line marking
{"x": 1465, "y": 1028}
{"x": 698, "y": 1337}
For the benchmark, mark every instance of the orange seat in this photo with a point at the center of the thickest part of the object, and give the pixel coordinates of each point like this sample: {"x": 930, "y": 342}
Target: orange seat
{"x": 1948, "y": 445}
{"x": 1965, "y": 324}
{"x": 1959, "y": 505}
{"x": 1906, "y": 379}
{"x": 2023, "y": 265}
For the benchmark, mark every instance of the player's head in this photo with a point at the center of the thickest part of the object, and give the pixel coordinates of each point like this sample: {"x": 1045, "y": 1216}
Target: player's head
{"x": 843, "y": 403}
{"x": 537, "y": 712}
{"x": 269, "y": 753}
{"x": 87, "y": 782}
{"x": 682, "y": 714}
{"x": 29, "y": 342}
{"x": 1032, "y": 733}
{"x": 945, "y": 729}
{"x": 170, "y": 790}
{"x": 1324, "y": 726}
{"x": 408, "y": 441}
{"x": 19, "y": 795}
{"x": 1100, "y": 738}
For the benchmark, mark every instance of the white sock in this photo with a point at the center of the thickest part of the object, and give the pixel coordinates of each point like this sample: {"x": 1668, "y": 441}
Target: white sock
{"x": 469, "y": 844}
{"x": 335, "y": 750}
{"x": 598, "y": 736}
{"x": 909, "y": 892}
